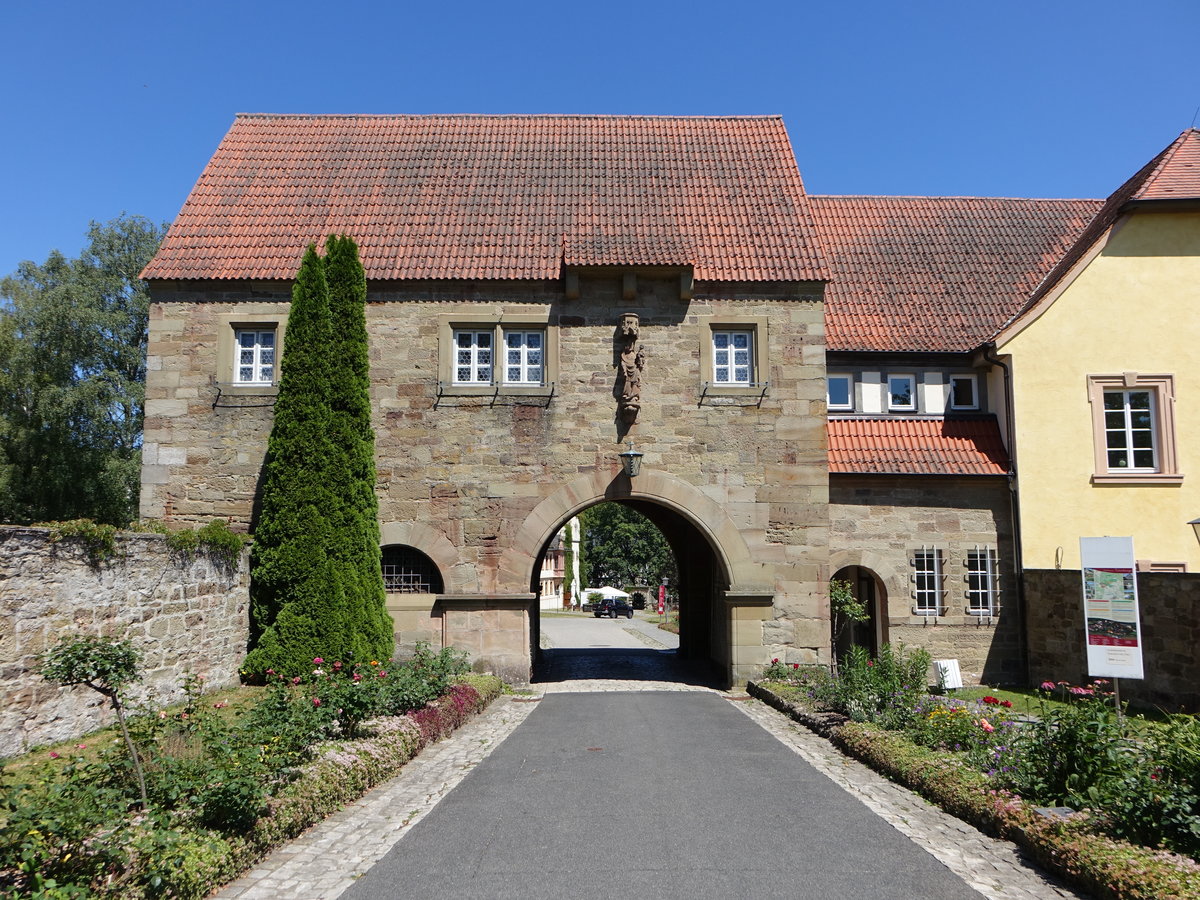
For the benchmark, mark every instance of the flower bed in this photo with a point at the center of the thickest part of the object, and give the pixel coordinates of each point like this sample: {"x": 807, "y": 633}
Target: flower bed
{"x": 221, "y": 795}
{"x": 968, "y": 758}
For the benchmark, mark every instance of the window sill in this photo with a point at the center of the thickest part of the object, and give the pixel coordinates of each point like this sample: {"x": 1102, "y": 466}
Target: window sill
{"x": 249, "y": 390}
{"x": 491, "y": 390}
{"x": 1130, "y": 478}
{"x": 967, "y": 618}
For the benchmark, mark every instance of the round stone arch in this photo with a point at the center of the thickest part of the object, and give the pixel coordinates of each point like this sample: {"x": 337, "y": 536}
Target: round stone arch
{"x": 434, "y": 544}
{"x": 741, "y": 572}
{"x": 894, "y": 580}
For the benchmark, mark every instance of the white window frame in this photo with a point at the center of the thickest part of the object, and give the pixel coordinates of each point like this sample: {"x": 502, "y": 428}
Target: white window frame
{"x": 527, "y": 358}
{"x": 848, "y": 406}
{"x": 983, "y": 581}
{"x": 730, "y": 367}
{"x": 973, "y": 381}
{"x": 928, "y": 577}
{"x": 258, "y": 351}
{"x": 891, "y": 394}
{"x": 478, "y": 373}
{"x": 1161, "y": 389}
{"x": 1121, "y": 435}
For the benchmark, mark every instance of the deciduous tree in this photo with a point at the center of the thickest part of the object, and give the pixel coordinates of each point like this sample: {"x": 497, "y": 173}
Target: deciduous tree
{"x": 623, "y": 548}
{"x": 72, "y": 376}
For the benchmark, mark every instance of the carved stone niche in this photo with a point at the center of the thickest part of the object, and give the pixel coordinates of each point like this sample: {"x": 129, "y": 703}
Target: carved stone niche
{"x": 632, "y": 363}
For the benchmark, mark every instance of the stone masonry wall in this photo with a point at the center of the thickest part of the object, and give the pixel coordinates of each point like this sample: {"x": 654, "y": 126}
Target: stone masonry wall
{"x": 885, "y": 518}
{"x": 1170, "y": 610}
{"x": 468, "y": 469}
{"x": 185, "y": 616}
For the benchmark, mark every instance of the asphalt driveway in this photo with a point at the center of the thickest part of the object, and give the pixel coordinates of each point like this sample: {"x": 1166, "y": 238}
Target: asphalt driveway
{"x": 651, "y": 794}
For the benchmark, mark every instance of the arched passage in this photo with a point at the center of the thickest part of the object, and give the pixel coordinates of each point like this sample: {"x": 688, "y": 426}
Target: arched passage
{"x": 723, "y": 599}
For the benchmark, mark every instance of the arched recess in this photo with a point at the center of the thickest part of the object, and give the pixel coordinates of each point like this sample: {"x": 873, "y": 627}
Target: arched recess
{"x": 434, "y": 544}
{"x": 871, "y": 590}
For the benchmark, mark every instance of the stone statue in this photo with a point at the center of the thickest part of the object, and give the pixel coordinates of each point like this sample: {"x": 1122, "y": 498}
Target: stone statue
{"x": 633, "y": 361}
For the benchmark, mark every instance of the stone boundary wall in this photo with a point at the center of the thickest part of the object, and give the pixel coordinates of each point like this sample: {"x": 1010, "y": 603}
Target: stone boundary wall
{"x": 1170, "y": 610}
{"x": 186, "y": 615}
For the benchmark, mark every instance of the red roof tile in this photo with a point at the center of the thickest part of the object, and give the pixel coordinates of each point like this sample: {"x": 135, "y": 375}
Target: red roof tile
{"x": 498, "y": 197}
{"x": 1177, "y": 173}
{"x": 936, "y": 273}
{"x": 1174, "y": 174}
{"x": 909, "y": 446}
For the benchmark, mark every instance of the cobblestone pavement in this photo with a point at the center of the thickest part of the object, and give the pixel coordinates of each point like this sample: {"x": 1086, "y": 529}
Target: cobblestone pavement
{"x": 326, "y": 860}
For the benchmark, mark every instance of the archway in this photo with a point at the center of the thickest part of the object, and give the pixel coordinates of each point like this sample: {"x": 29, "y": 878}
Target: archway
{"x": 871, "y": 634}
{"x": 698, "y": 591}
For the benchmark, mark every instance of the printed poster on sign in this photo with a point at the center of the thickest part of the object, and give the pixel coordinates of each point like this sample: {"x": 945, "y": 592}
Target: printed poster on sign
{"x": 1110, "y": 607}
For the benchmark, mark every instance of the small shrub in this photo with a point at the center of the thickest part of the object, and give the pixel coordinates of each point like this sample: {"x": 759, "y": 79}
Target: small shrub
{"x": 98, "y": 541}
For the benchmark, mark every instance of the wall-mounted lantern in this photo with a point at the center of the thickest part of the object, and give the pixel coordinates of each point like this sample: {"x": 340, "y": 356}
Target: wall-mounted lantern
{"x": 631, "y": 461}
{"x": 1195, "y": 523}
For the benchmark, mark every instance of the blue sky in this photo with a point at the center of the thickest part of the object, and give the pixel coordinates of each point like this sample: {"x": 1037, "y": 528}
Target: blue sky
{"x": 113, "y": 107}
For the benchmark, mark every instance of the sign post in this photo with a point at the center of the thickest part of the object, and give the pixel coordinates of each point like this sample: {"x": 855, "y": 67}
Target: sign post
{"x": 662, "y": 599}
{"x": 1110, "y": 609}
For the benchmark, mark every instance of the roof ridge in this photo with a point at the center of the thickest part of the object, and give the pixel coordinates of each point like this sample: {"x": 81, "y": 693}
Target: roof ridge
{"x": 955, "y": 197}
{"x": 739, "y": 118}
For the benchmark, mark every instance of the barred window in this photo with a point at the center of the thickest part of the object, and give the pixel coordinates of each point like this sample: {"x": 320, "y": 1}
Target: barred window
{"x": 407, "y": 570}
{"x": 927, "y": 581}
{"x": 983, "y": 582}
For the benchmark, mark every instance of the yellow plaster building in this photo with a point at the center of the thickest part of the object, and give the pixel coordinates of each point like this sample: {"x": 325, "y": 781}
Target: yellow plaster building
{"x": 1104, "y": 363}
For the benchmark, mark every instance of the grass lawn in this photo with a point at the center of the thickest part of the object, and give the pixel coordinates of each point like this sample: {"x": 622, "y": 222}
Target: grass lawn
{"x": 228, "y": 703}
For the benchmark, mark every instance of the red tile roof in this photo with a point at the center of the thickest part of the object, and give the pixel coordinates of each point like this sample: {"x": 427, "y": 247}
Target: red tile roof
{"x": 909, "y": 446}
{"x": 936, "y": 273}
{"x": 1174, "y": 174}
{"x": 498, "y": 197}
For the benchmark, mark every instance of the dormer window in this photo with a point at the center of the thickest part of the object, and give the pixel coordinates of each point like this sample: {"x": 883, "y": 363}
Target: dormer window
{"x": 839, "y": 396}
{"x": 902, "y": 393}
{"x": 964, "y": 392}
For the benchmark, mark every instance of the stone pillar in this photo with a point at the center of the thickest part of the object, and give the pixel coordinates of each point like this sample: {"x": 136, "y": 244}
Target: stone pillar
{"x": 494, "y": 629}
{"x": 746, "y": 612}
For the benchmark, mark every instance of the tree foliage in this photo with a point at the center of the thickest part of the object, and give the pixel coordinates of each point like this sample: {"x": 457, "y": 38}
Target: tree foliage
{"x": 622, "y": 548}
{"x": 72, "y": 377}
{"x": 317, "y": 589}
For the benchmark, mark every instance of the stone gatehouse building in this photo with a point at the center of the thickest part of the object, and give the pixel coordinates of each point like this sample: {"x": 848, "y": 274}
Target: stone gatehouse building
{"x": 544, "y": 292}
{"x": 819, "y": 387}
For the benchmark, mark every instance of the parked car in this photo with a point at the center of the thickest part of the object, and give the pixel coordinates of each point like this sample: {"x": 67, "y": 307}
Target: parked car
{"x": 613, "y": 608}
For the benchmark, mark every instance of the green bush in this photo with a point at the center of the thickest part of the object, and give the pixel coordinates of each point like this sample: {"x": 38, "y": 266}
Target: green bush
{"x": 81, "y": 831}
{"x": 886, "y": 689}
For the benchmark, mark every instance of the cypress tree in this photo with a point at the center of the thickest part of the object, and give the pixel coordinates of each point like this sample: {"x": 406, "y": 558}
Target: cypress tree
{"x": 352, "y": 470}
{"x": 298, "y": 608}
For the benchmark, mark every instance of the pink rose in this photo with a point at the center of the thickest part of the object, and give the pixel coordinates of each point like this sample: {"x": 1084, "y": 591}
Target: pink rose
{"x": 987, "y": 726}
{"x": 316, "y": 701}
{"x": 318, "y": 661}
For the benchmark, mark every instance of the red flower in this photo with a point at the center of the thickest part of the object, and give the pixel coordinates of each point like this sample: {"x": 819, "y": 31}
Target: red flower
{"x": 795, "y": 665}
{"x": 990, "y": 700}
{"x": 1007, "y": 704}
{"x": 316, "y": 701}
